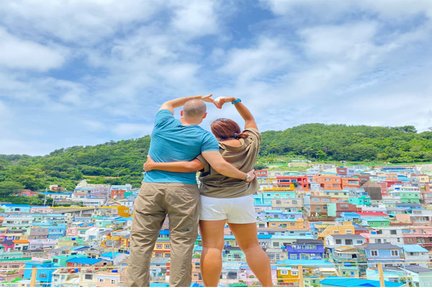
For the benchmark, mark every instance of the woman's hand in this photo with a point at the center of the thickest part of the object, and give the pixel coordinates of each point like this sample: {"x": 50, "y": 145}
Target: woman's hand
{"x": 220, "y": 101}
{"x": 149, "y": 164}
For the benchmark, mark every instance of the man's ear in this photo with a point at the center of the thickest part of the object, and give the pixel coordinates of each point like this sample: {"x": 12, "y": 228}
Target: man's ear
{"x": 205, "y": 115}
{"x": 181, "y": 113}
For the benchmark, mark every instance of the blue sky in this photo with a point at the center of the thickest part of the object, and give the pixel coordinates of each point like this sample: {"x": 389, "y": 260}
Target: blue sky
{"x": 87, "y": 72}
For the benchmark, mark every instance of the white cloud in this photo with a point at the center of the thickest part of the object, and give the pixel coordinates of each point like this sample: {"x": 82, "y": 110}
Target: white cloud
{"x": 269, "y": 56}
{"x": 23, "y": 54}
{"x": 343, "y": 42}
{"x": 81, "y": 22}
{"x": 333, "y": 9}
{"x": 196, "y": 18}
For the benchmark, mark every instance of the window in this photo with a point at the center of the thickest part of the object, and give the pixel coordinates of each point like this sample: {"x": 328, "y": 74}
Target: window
{"x": 338, "y": 241}
{"x": 394, "y": 252}
{"x": 393, "y": 232}
{"x": 113, "y": 282}
{"x": 348, "y": 241}
{"x": 88, "y": 277}
{"x": 374, "y": 253}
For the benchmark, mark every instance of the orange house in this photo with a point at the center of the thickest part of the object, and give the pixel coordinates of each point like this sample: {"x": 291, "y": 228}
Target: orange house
{"x": 328, "y": 182}
{"x": 300, "y": 182}
{"x": 350, "y": 182}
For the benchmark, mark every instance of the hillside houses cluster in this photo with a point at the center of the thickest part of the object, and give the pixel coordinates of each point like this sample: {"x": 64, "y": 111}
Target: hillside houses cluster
{"x": 327, "y": 226}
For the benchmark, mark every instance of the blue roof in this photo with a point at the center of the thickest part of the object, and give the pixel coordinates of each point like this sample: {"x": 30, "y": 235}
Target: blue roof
{"x": 78, "y": 248}
{"x": 264, "y": 236}
{"x": 356, "y": 282}
{"x": 110, "y": 255}
{"x": 159, "y": 284}
{"x": 350, "y": 214}
{"x": 414, "y": 249}
{"x": 85, "y": 261}
{"x": 56, "y": 193}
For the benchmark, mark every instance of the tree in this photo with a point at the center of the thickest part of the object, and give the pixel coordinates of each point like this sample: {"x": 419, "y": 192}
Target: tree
{"x": 7, "y": 188}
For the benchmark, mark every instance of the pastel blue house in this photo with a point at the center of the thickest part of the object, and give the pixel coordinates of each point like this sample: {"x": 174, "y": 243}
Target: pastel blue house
{"x": 403, "y": 178}
{"x": 266, "y": 197}
{"x": 16, "y": 208}
{"x": 386, "y": 253}
{"x": 43, "y": 274}
{"x": 55, "y": 231}
{"x": 279, "y": 214}
{"x": 350, "y": 216}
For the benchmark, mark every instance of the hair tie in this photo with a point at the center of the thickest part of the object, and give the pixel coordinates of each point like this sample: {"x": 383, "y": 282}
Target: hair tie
{"x": 236, "y": 135}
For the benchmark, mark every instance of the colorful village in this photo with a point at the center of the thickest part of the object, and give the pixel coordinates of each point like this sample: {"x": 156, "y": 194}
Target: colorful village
{"x": 327, "y": 226}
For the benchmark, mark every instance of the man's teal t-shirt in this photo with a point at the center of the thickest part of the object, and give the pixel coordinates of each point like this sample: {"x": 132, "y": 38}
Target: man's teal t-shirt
{"x": 173, "y": 141}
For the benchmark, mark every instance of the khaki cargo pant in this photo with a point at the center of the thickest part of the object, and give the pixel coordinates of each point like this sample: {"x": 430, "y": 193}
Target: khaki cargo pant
{"x": 156, "y": 200}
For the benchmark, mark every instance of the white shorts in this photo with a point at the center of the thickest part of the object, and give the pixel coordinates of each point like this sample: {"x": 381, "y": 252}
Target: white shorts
{"x": 240, "y": 210}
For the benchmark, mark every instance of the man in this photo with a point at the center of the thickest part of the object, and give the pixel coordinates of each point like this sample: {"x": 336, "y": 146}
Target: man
{"x": 174, "y": 194}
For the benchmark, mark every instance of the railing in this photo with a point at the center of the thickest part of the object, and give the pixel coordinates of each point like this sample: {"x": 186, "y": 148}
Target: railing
{"x": 77, "y": 276}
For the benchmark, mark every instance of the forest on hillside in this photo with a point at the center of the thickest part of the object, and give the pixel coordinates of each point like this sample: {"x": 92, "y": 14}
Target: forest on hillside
{"x": 121, "y": 162}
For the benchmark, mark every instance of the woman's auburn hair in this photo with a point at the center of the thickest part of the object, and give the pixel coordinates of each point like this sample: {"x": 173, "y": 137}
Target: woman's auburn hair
{"x": 225, "y": 129}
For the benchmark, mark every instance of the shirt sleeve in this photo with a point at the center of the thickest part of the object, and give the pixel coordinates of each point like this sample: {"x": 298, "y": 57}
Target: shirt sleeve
{"x": 206, "y": 165}
{"x": 210, "y": 143}
{"x": 162, "y": 117}
{"x": 254, "y": 134}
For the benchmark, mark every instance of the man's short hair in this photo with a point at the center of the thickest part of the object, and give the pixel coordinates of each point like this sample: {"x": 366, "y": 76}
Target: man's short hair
{"x": 194, "y": 108}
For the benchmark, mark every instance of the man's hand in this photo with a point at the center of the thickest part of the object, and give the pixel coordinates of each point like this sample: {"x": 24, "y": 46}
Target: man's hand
{"x": 148, "y": 165}
{"x": 220, "y": 101}
{"x": 208, "y": 98}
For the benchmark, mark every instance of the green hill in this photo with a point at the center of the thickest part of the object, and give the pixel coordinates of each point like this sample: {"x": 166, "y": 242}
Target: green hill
{"x": 121, "y": 162}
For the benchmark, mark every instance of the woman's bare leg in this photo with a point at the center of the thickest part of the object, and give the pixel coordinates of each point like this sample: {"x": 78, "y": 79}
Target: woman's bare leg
{"x": 257, "y": 259}
{"x": 212, "y": 233}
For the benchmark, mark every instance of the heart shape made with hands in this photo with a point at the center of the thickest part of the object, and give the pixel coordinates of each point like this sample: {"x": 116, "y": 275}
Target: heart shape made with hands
{"x": 219, "y": 102}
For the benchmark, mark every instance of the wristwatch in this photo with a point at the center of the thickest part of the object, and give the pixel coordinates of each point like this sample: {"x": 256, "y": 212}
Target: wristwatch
{"x": 238, "y": 100}
{"x": 248, "y": 178}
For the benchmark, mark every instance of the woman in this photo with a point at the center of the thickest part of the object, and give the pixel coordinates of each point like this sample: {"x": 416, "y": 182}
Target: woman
{"x": 221, "y": 197}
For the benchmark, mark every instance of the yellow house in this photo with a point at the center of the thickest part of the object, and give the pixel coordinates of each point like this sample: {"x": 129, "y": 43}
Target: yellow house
{"x": 289, "y": 187}
{"x": 115, "y": 241}
{"x": 162, "y": 248}
{"x": 424, "y": 178}
{"x": 293, "y": 225}
{"x": 287, "y": 276}
{"x": 338, "y": 229}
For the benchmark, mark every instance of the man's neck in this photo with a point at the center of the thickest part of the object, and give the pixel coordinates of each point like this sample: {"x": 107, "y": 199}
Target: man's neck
{"x": 188, "y": 123}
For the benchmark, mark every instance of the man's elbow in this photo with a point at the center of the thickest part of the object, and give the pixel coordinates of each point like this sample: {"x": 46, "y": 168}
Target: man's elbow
{"x": 167, "y": 106}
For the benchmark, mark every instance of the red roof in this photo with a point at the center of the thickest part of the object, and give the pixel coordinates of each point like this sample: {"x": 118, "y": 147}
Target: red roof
{"x": 372, "y": 213}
